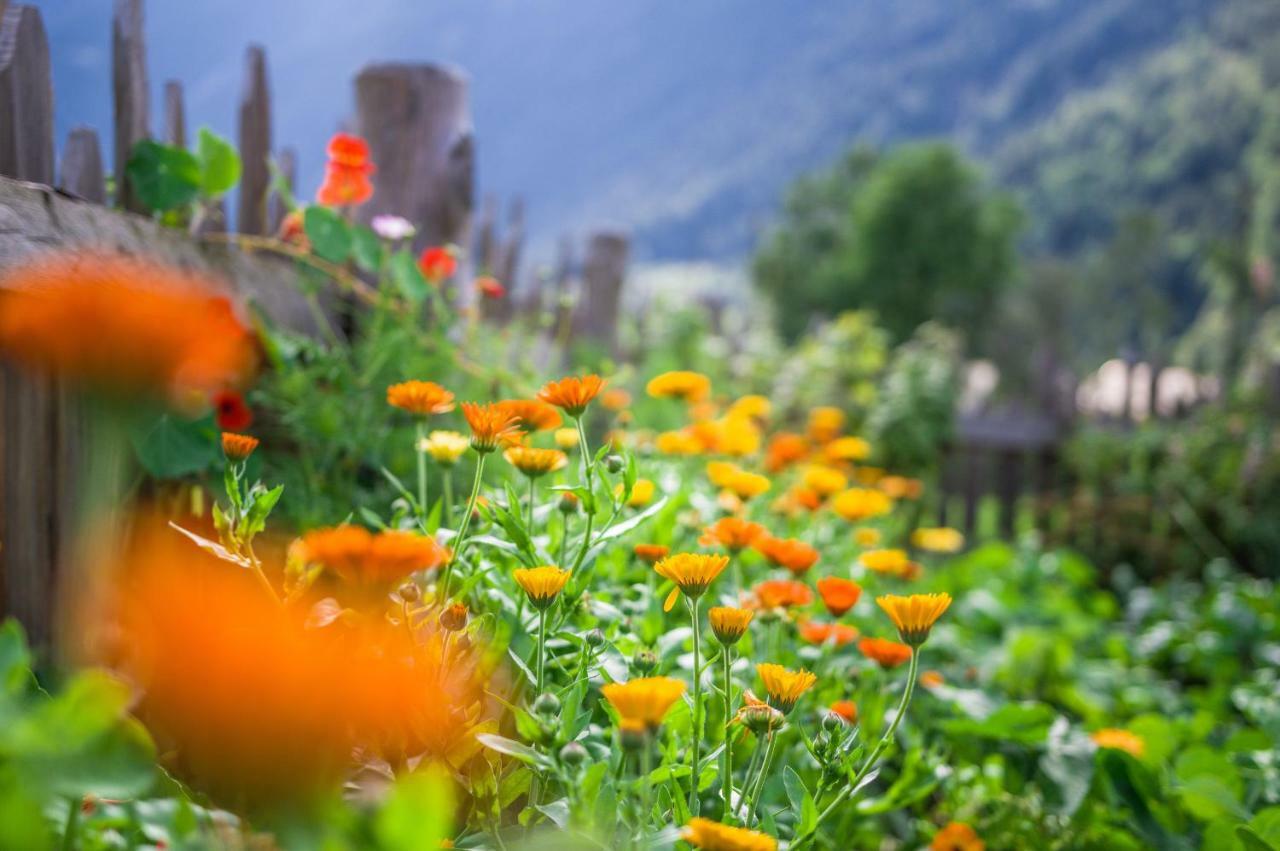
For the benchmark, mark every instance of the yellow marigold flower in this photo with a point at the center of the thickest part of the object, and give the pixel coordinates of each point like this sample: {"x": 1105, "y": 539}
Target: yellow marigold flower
{"x": 914, "y": 616}
{"x": 941, "y": 539}
{"x": 745, "y": 485}
{"x": 424, "y": 398}
{"x": 858, "y": 504}
{"x": 784, "y": 687}
{"x": 491, "y": 425}
{"x": 542, "y": 584}
{"x": 644, "y": 701}
{"x": 868, "y": 476}
{"x": 535, "y": 462}
{"x": 616, "y": 399}
{"x": 641, "y": 493}
{"x": 532, "y": 414}
{"x": 737, "y": 436}
{"x": 825, "y": 424}
{"x": 681, "y": 384}
{"x": 888, "y": 561}
{"x": 714, "y": 836}
{"x": 1121, "y": 740}
{"x": 720, "y": 473}
{"x": 901, "y": 487}
{"x": 691, "y": 572}
{"x": 677, "y": 443}
{"x": 729, "y": 624}
{"x": 957, "y": 836}
{"x": 866, "y": 536}
{"x": 572, "y": 395}
{"x": 566, "y": 438}
{"x": 238, "y": 447}
{"x": 847, "y": 449}
{"x": 445, "y": 447}
{"x": 824, "y": 481}
{"x": 753, "y": 406}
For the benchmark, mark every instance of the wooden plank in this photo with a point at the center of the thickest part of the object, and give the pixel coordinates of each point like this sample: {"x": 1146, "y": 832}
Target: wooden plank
{"x": 132, "y": 96}
{"x": 175, "y": 115}
{"x": 26, "y": 96}
{"x": 604, "y": 269}
{"x": 81, "y": 171}
{"x": 255, "y": 145}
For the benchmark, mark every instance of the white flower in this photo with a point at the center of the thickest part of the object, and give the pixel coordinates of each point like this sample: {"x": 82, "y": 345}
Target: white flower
{"x": 393, "y": 228}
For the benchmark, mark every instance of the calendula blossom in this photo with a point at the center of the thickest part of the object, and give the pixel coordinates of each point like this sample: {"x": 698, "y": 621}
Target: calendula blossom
{"x": 746, "y": 486}
{"x": 941, "y": 539}
{"x": 858, "y": 504}
{"x": 824, "y": 481}
{"x": 542, "y": 584}
{"x": 1118, "y": 739}
{"x": 784, "y": 687}
{"x": 645, "y": 701}
{"x": 677, "y": 443}
{"x": 901, "y": 487}
{"x": 692, "y": 573}
{"x": 681, "y": 384}
{"x": 491, "y": 426}
{"x": 729, "y": 624}
{"x": 847, "y": 449}
{"x": 445, "y": 447}
{"x": 838, "y": 595}
{"x": 892, "y": 562}
{"x": 573, "y": 394}
{"x": 825, "y": 424}
{"x": 238, "y": 447}
{"x": 839, "y": 634}
{"x": 846, "y": 710}
{"x": 423, "y": 398}
{"x": 784, "y": 449}
{"x": 566, "y": 438}
{"x": 887, "y": 654}
{"x": 534, "y": 462}
{"x": 641, "y": 493}
{"x": 957, "y": 836}
{"x": 364, "y": 558}
{"x": 914, "y": 616}
{"x": 713, "y": 836}
{"x": 733, "y": 533}
{"x": 790, "y": 553}
{"x": 532, "y": 414}
{"x": 651, "y": 553}
{"x": 931, "y": 679}
{"x": 782, "y": 594}
{"x": 753, "y": 407}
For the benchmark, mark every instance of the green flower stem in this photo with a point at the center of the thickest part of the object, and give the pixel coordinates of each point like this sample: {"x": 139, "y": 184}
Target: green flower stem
{"x": 726, "y": 759}
{"x": 697, "y": 705}
{"x": 71, "y": 829}
{"x": 461, "y": 541}
{"x": 422, "y": 471}
{"x": 875, "y": 753}
{"x": 447, "y": 476}
{"x": 589, "y": 502}
{"x": 528, "y": 522}
{"x": 748, "y": 778}
{"x": 764, "y": 774}
{"x": 542, "y": 647}
{"x": 646, "y": 788}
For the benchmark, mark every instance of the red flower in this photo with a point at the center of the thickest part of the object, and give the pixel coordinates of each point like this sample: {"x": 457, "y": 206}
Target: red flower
{"x": 346, "y": 176}
{"x": 489, "y": 287}
{"x": 231, "y": 411}
{"x": 437, "y": 263}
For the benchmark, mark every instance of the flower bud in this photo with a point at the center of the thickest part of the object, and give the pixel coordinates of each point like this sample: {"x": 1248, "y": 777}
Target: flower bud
{"x": 614, "y": 463}
{"x": 573, "y": 755}
{"x": 410, "y": 593}
{"x": 644, "y": 661}
{"x": 594, "y": 638}
{"x": 547, "y": 705}
{"x": 454, "y": 618}
{"x": 568, "y": 503}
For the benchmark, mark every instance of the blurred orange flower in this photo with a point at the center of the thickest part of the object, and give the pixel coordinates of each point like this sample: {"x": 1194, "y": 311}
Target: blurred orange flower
{"x": 733, "y": 533}
{"x": 1118, "y": 739}
{"x": 651, "y": 553}
{"x": 616, "y": 399}
{"x": 346, "y": 175}
{"x": 533, "y": 414}
{"x": 238, "y": 447}
{"x": 838, "y": 595}
{"x": 900, "y": 487}
{"x": 782, "y": 594}
{"x": 845, "y": 709}
{"x": 839, "y": 634}
{"x": 825, "y": 424}
{"x": 424, "y": 398}
{"x": 957, "y": 836}
{"x": 534, "y": 462}
{"x": 376, "y": 562}
{"x": 783, "y": 450}
{"x": 488, "y": 286}
{"x": 437, "y": 263}
{"x": 793, "y": 554}
{"x": 231, "y": 412}
{"x": 887, "y": 654}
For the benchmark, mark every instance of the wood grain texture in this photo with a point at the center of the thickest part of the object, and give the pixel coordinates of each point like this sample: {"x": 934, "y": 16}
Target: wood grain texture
{"x": 255, "y": 145}
{"x": 130, "y": 91}
{"x": 80, "y": 173}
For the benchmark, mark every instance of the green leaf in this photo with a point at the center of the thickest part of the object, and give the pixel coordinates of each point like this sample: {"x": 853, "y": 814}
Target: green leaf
{"x": 1251, "y": 840}
{"x": 219, "y": 164}
{"x": 1267, "y": 825}
{"x": 329, "y": 233}
{"x": 801, "y": 800}
{"x": 15, "y": 658}
{"x": 162, "y": 176}
{"x": 261, "y": 502}
{"x": 408, "y": 278}
{"x": 501, "y": 744}
{"x": 367, "y": 248}
{"x": 417, "y": 813}
{"x": 1022, "y": 723}
{"x": 169, "y": 447}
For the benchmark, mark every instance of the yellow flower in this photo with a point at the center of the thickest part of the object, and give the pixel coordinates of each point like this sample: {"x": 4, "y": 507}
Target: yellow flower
{"x": 542, "y": 584}
{"x": 746, "y": 485}
{"x": 914, "y": 616}
{"x": 691, "y": 572}
{"x": 889, "y": 561}
{"x": 644, "y": 701}
{"x": 848, "y": 449}
{"x": 824, "y": 481}
{"x": 682, "y": 384}
{"x": 754, "y": 407}
{"x": 866, "y": 536}
{"x": 445, "y": 447}
{"x": 720, "y": 473}
{"x": 535, "y": 462}
{"x": 1121, "y": 740}
{"x": 423, "y": 398}
{"x": 942, "y": 539}
{"x": 677, "y": 443}
{"x": 566, "y": 438}
{"x": 729, "y": 624}
{"x": 641, "y": 493}
{"x": 784, "y": 687}
{"x": 713, "y": 836}
{"x": 737, "y": 436}
{"x": 825, "y": 424}
{"x": 858, "y": 504}
{"x": 901, "y": 487}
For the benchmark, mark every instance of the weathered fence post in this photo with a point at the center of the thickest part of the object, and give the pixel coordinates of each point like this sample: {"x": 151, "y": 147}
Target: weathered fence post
{"x": 485, "y": 251}
{"x": 26, "y": 96}
{"x": 507, "y": 263}
{"x": 175, "y": 115}
{"x": 418, "y": 125}
{"x": 81, "y": 170}
{"x": 129, "y": 86}
{"x": 255, "y": 145}
{"x": 287, "y": 162}
{"x": 603, "y": 270}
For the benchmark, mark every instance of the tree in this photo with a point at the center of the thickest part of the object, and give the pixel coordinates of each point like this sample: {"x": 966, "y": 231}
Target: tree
{"x": 913, "y": 234}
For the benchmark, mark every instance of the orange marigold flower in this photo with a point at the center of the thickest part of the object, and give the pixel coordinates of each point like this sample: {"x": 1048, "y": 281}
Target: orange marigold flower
{"x": 644, "y": 702}
{"x": 729, "y": 624}
{"x": 914, "y": 616}
{"x": 733, "y": 533}
{"x": 542, "y": 584}
{"x": 887, "y": 654}
{"x": 784, "y": 687}
{"x": 616, "y": 399}
{"x": 847, "y": 449}
{"x": 692, "y": 573}
{"x": 714, "y": 836}
{"x": 437, "y": 263}
{"x": 372, "y": 561}
{"x": 238, "y": 447}
{"x": 125, "y": 325}
{"x": 491, "y": 425}
{"x": 489, "y": 287}
{"x": 931, "y": 679}
{"x": 825, "y": 424}
{"x": 793, "y": 554}
{"x": 941, "y": 539}
{"x": 957, "y": 836}
{"x": 838, "y": 595}
{"x": 424, "y": 398}
{"x": 572, "y": 394}
{"x": 900, "y": 487}
{"x": 1118, "y": 739}
{"x": 681, "y": 384}
{"x": 838, "y": 634}
{"x": 806, "y": 498}
{"x": 846, "y": 710}
{"x": 858, "y": 504}
{"x": 782, "y": 594}
{"x": 533, "y": 414}
{"x": 534, "y": 462}
{"x": 651, "y": 553}
{"x": 784, "y": 449}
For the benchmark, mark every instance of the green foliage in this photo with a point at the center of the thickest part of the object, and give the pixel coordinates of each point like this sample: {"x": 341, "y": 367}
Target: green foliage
{"x": 170, "y": 179}
{"x": 219, "y": 164}
{"x": 916, "y": 408}
{"x": 912, "y": 235}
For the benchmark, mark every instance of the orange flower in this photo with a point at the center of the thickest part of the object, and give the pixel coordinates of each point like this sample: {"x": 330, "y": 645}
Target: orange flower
{"x": 644, "y": 702}
{"x": 846, "y": 710}
{"x": 651, "y": 553}
{"x": 534, "y": 462}
{"x": 127, "y": 326}
{"x": 914, "y": 616}
{"x": 783, "y": 686}
{"x": 488, "y": 286}
{"x": 729, "y": 624}
{"x": 681, "y": 384}
{"x": 532, "y": 414}
{"x": 491, "y": 425}
{"x": 616, "y": 399}
{"x": 238, "y": 447}
{"x": 784, "y": 449}
{"x": 838, "y": 595}
{"x": 424, "y": 398}
{"x": 858, "y": 504}
{"x": 931, "y": 679}
{"x": 900, "y": 487}
{"x": 572, "y": 394}
{"x": 782, "y": 594}
{"x": 887, "y": 654}
{"x": 820, "y": 633}
{"x": 1121, "y": 740}
{"x": 957, "y": 836}
{"x": 825, "y": 424}
{"x": 713, "y": 836}
{"x": 793, "y": 554}
{"x": 372, "y": 561}
{"x": 346, "y": 175}
{"x": 692, "y": 573}
{"x": 437, "y": 263}
{"x": 802, "y": 497}
{"x": 733, "y": 533}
